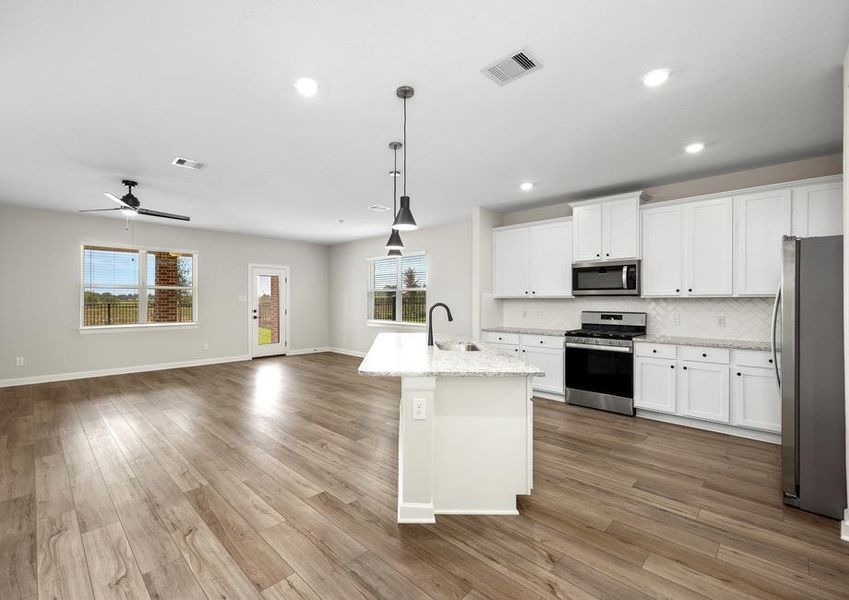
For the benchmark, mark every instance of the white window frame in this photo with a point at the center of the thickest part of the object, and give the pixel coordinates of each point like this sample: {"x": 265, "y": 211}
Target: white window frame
{"x": 142, "y": 286}
{"x": 399, "y": 289}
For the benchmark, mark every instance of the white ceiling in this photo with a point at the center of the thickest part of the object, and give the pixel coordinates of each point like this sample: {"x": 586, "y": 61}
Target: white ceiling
{"x": 94, "y": 92}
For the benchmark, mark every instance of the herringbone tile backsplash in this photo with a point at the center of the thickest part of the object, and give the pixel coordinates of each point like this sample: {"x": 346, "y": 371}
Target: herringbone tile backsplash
{"x": 745, "y": 318}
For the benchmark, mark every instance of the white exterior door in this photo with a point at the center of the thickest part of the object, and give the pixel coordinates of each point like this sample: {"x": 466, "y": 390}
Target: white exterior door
{"x": 552, "y": 362}
{"x": 654, "y": 384}
{"x": 267, "y": 310}
{"x": 755, "y": 398}
{"x": 663, "y": 256}
{"x": 551, "y": 259}
{"x": 709, "y": 254}
{"x": 586, "y": 232}
{"x": 818, "y": 209}
{"x": 511, "y": 262}
{"x": 760, "y": 222}
{"x": 703, "y": 391}
{"x": 620, "y": 228}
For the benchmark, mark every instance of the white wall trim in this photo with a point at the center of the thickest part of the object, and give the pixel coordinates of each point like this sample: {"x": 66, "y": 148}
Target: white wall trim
{"x": 120, "y": 370}
{"x": 479, "y": 511}
{"x": 415, "y": 512}
{"x": 844, "y": 526}
{"x": 751, "y": 434}
{"x": 347, "y": 352}
{"x": 300, "y": 351}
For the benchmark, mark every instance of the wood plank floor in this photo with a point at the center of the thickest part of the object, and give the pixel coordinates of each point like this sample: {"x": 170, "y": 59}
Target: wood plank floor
{"x": 276, "y": 479}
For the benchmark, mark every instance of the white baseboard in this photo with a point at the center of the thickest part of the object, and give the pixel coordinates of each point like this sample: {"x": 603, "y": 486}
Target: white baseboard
{"x": 120, "y": 370}
{"x": 844, "y": 526}
{"x": 415, "y": 512}
{"x": 307, "y": 351}
{"x": 751, "y": 434}
{"x": 356, "y": 353}
{"x": 477, "y": 511}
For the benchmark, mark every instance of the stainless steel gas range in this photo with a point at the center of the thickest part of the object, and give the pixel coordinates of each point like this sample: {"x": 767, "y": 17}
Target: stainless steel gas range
{"x": 600, "y": 360}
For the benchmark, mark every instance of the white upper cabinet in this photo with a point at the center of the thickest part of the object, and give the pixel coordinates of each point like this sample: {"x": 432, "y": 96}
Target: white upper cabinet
{"x": 760, "y": 221}
{"x": 620, "y": 228}
{"x": 709, "y": 255}
{"x": 511, "y": 255}
{"x": 551, "y": 259}
{"x": 586, "y": 224}
{"x": 663, "y": 256}
{"x": 818, "y": 209}
{"x": 606, "y": 228}
{"x": 533, "y": 261}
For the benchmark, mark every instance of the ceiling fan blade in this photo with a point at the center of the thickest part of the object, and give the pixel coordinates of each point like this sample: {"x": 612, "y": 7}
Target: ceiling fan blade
{"x": 115, "y": 198}
{"x": 164, "y": 215}
{"x": 100, "y": 209}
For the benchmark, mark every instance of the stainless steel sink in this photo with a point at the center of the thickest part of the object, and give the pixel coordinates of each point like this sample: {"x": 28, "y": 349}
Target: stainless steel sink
{"x": 458, "y": 346}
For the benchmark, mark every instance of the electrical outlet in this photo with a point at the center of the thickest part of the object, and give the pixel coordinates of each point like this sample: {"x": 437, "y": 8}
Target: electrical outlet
{"x": 419, "y": 409}
{"x": 676, "y": 320}
{"x": 243, "y": 298}
{"x": 720, "y": 321}
{"x": 206, "y": 345}
{"x": 19, "y": 361}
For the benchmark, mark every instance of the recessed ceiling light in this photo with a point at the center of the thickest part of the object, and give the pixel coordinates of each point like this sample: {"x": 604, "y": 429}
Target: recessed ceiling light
{"x": 526, "y": 186}
{"x": 340, "y": 220}
{"x": 187, "y": 163}
{"x": 306, "y": 87}
{"x": 656, "y": 77}
{"x": 378, "y": 207}
{"x": 694, "y": 148}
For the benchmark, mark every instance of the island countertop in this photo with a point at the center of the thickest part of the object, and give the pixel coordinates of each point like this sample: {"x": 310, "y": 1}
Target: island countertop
{"x": 408, "y": 355}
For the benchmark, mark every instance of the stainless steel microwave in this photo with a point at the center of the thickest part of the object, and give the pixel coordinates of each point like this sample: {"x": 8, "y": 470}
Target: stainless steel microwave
{"x": 606, "y": 278}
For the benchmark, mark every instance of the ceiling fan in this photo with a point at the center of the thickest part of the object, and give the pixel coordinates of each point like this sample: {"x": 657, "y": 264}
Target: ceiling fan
{"x": 128, "y": 202}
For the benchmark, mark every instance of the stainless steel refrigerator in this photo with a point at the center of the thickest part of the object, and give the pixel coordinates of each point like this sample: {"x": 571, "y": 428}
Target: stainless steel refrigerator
{"x": 810, "y": 304}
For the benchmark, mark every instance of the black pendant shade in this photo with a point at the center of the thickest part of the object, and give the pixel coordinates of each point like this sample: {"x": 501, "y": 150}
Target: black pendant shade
{"x": 404, "y": 220}
{"x": 394, "y": 253}
{"x": 394, "y": 242}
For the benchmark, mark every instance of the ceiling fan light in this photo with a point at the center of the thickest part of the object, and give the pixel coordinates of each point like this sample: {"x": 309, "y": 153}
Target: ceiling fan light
{"x": 404, "y": 220}
{"x": 394, "y": 242}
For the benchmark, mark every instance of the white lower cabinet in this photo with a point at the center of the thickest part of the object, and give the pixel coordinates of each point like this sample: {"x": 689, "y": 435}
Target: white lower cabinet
{"x": 703, "y": 391}
{"x": 654, "y": 384}
{"x": 549, "y": 360}
{"x": 734, "y": 388}
{"x": 755, "y": 398}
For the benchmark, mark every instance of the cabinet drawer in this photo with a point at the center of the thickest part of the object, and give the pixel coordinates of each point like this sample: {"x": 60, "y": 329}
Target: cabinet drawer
{"x": 654, "y": 350}
{"x": 703, "y": 354}
{"x": 753, "y": 358}
{"x": 496, "y": 337}
{"x": 542, "y": 341}
{"x": 506, "y": 349}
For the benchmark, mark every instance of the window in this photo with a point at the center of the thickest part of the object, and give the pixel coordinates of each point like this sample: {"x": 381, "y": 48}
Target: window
{"x": 137, "y": 286}
{"x": 398, "y": 289}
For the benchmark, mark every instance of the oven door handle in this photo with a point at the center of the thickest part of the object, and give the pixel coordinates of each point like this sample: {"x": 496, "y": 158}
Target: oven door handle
{"x": 623, "y": 349}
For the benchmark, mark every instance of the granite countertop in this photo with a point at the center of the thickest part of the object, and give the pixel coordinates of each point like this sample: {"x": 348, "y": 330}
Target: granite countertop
{"x": 408, "y": 355}
{"x": 707, "y": 342}
{"x": 527, "y": 330}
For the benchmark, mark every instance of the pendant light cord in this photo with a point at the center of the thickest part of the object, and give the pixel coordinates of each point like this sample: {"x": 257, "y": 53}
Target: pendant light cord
{"x": 405, "y": 146}
{"x": 395, "y": 186}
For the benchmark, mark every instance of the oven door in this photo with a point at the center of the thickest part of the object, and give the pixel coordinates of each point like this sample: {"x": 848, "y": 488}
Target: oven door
{"x": 600, "y": 377}
{"x": 611, "y": 278}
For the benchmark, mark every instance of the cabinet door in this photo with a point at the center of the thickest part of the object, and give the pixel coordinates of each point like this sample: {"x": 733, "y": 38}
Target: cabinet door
{"x": 760, "y": 222}
{"x": 818, "y": 209}
{"x": 552, "y": 362}
{"x": 620, "y": 229}
{"x": 708, "y": 240}
{"x": 586, "y": 232}
{"x": 663, "y": 256}
{"x": 510, "y": 262}
{"x": 551, "y": 259}
{"x": 654, "y": 384}
{"x": 755, "y": 398}
{"x": 703, "y": 391}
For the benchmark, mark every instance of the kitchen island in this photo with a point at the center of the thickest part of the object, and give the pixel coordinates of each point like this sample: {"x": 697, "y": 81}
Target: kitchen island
{"x": 465, "y": 433}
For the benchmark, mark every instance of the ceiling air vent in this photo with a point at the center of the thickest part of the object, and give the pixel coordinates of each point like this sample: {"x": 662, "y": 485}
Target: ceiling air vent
{"x": 378, "y": 207}
{"x": 188, "y": 163}
{"x": 511, "y": 68}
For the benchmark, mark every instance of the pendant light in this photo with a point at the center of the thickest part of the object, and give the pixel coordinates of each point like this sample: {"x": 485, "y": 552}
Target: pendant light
{"x": 404, "y": 220}
{"x": 394, "y": 244}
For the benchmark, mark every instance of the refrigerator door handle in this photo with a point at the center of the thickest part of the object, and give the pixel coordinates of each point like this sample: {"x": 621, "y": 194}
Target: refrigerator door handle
{"x": 774, "y": 332}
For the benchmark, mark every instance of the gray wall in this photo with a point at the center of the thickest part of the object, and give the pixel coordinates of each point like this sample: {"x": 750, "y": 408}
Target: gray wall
{"x": 40, "y": 286}
{"x": 449, "y": 252}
